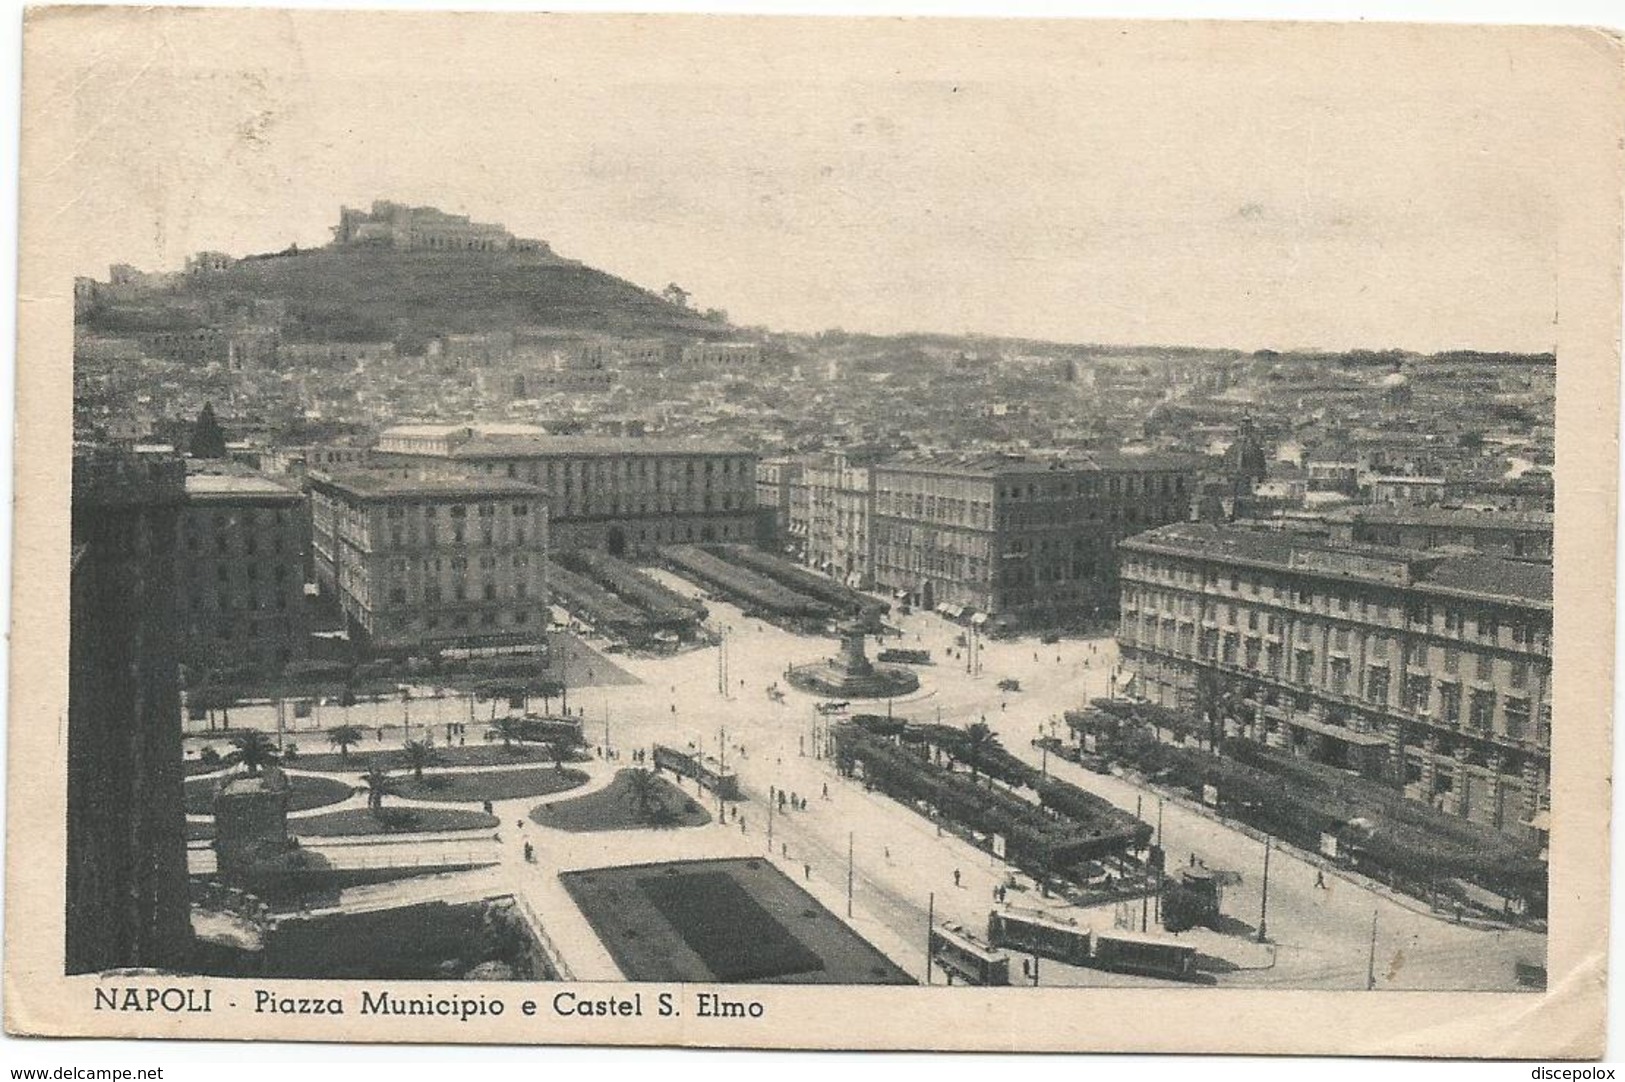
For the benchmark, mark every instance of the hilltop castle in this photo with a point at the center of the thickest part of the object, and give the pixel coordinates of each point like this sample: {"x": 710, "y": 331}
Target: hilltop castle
{"x": 396, "y": 225}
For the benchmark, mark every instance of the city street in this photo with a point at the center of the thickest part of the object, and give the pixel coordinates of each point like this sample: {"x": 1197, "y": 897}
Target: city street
{"x": 715, "y": 699}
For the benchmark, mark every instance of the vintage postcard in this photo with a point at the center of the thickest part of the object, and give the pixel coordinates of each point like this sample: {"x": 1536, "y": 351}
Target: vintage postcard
{"x": 814, "y": 533}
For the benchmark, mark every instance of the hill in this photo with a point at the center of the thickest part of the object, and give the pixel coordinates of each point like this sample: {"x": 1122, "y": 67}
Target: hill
{"x": 371, "y": 294}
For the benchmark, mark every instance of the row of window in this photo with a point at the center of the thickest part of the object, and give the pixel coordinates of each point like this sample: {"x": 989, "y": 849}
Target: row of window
{"x": 1485, "y": 625}
{"x": 224, "y": 546}
{"x": 628, "y": 468}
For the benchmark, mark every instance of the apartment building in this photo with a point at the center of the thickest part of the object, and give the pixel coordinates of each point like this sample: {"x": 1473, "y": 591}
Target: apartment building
{"x": 418, "y": 564}
{"x": 244, "y": 540}
{"x": 126, "y": 892}
{"x": 841, "y": 505}
{"x": 1027, "y": 540}
{"x": 610, "y": 493}
{"x": 1429, "y": 669}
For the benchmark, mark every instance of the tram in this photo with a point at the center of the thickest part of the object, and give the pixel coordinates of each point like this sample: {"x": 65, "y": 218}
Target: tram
{"x": 1032, "y": 932}
{"x": 962, "y": 955}
{"x": 1149, "y": 955}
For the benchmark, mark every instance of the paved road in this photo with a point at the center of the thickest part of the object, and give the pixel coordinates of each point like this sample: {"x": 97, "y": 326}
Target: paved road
{"x": 1321, "y": 937}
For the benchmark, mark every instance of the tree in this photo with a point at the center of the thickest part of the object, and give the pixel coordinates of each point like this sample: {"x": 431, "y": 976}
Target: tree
{"x": 546, "y": 689}
{"x": 979, "y": 740}
{"x": 208, "y": 439}
{"x": 419, "y": 753}
{"x": 344, "y": 737}
{"x": 507, "y": 730}
{"x": 254, "y": 750}
{"x": 378, "y": 784}
{"x": 643, "y": 790}
{"x": 560, "y": 749}
{"x": 1215, "y": 700}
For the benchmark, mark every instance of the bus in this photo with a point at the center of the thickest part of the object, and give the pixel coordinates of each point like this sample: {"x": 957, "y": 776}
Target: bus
{"x": 1033, "y": 932}
{"x": 964, "y": 956}
{"x": 1149, "y": 955}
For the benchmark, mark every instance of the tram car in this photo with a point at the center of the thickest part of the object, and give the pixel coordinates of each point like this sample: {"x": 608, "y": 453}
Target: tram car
{"x": 1032, "y": 932}
{"x": 962, "y": 955}
{"x": 1148, "y": 955}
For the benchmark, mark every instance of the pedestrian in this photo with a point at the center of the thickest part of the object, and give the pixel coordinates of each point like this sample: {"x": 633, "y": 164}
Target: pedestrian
{"x": 1027, "y": 968}
{"x": 888, "y": 854}
{"x": 826, "y": 790}
{"x": 806, "y": 870}
{"x": 1320, "y": 878}
{"x": 1193, "y": 860}
{"x": 784, "y": 849}
{"x": 956, "y": 877}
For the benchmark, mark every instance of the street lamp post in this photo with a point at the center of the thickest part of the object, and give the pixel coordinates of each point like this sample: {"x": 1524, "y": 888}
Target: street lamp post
{"x": 1264, "y": 904}
{"x": 850, "y": 835}
{"x": 1371, "y": 957}
{"x": 930, "y": 926}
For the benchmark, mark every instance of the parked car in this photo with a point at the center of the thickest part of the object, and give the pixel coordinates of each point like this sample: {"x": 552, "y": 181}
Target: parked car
{"x": 1050, "y": 638}
{"x": 1009, "y": 684}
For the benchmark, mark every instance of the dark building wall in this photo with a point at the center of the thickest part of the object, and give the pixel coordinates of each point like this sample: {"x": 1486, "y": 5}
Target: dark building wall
{"x": 127, "y": 901}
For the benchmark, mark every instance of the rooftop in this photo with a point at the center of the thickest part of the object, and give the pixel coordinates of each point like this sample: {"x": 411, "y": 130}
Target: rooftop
{"x": 522, "y": 446}
{"x": 226, "y": 486}
{"x": 1475, "y": 577}
{"x": 1454, "y": 517}
{"x": 384, "y": 485}
{"x": 989, "y": 464}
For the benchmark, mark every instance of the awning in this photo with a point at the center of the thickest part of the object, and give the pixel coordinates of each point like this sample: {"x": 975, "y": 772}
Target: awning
{"x": 1338, "y": 732}
{"x": 1541, "y": 820}
{"x": 942, "y": 607}
{"x": 1124, "y": 679}
{"x": 955, "y": 611}
{"x": 978, "y": 618}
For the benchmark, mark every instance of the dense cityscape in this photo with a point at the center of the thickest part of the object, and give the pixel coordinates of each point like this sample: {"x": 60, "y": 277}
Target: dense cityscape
{"x": 444, "y": 607}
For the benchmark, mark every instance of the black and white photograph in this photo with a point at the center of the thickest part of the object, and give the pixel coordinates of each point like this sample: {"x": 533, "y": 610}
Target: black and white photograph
{"x": 631, "y": 514}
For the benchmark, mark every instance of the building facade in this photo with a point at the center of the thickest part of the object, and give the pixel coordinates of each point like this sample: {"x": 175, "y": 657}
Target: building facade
{"x": 775, "y": 477}
{"x": 610, "y": 493}
{"x": 1430, "y": 670}
{"x": 1030, "y": 540}
{"x": 127, "y": 895}
{"x": 841, "y": 507}
{"x": 244, "y": 545}
{"x": 419, "y": 564}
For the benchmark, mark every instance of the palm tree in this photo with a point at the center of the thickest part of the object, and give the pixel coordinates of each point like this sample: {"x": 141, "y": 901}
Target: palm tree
{"x": 546, "y": 689}
{"x": 419, "y": 753}
{"x": 507, "y": 729}
{"x": 344, "y": 737}
{"x": 378, "y": 784}
{"x": 254, "y": 750}
{"x": 560, "y": 749}
{"x": 643, "y": 790}
{"x": 979, "y": 740}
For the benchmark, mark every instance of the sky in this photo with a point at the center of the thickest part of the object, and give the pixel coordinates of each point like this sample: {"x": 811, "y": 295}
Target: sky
{"x": 1231, "y": 186}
